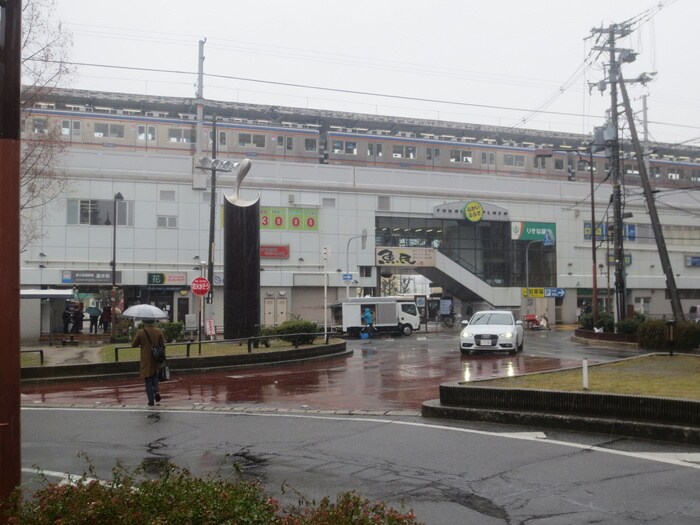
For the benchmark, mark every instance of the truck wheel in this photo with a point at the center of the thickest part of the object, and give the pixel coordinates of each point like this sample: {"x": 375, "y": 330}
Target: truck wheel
{"x": 407, "y": 330}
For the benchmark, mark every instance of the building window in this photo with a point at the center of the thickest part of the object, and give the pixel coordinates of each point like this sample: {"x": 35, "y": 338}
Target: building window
{"x": 167, "y": 195}
{"x": 146, "y": 133}
{"x": 182, "y": 135}
{"x": 310, "y": 145}
{"x": 167, "y": 221}
{"x": 328, "y": 202}
{"x": 384, "y": 203}
{"x": 99, "y": 212}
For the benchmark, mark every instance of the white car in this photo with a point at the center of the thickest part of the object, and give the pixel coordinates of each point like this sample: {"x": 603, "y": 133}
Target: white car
{"x": 492, "y": 330}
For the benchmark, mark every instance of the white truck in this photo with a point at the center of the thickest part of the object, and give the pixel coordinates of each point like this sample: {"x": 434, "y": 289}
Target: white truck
{"x": 388, "y": 315}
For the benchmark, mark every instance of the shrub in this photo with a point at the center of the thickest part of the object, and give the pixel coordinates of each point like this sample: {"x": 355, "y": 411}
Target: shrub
{"x": 629, "y": 326}
{"x": 172, "y": 331}
{"x": 653, "y": 335}
{"x": 286, "y": 330}
{"x": 176, "y": 497}
{"x": 605, "y": 320}
{"x": 349, "y": 509}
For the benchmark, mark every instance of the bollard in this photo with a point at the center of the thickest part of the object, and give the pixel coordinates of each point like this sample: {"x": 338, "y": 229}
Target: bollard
{"x": 585, "y": 373}
{"x": 670, "y": 323}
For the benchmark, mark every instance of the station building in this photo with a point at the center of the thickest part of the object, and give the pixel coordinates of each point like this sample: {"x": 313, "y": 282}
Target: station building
{"x": 487, "y": 240}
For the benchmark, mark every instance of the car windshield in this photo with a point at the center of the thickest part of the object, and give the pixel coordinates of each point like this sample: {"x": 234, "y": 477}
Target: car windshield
{"x": 491, "y": 318}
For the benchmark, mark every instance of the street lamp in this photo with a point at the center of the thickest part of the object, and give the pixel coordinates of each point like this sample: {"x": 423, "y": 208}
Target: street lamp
{"x": 347, "y": 257}
{"x": 117, "y": 198}
{"x": 213, "y": 165}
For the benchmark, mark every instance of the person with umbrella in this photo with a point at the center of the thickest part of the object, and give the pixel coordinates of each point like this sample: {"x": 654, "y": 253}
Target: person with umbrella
{"x": 146, "y": 338}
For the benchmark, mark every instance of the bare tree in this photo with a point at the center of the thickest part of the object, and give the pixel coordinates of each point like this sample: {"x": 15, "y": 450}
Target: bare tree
{"x": 45, "y": 47}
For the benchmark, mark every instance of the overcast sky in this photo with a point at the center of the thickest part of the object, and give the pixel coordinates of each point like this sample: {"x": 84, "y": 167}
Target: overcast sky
{"x": 496, "y": 61}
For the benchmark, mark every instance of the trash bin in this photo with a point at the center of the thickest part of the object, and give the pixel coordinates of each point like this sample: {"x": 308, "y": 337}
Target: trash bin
{"x": 364, "y": 335}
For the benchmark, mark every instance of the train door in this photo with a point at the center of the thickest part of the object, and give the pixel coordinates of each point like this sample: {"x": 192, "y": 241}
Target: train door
{"x": 285, "y": 146}
{"x": 375, "y": 153}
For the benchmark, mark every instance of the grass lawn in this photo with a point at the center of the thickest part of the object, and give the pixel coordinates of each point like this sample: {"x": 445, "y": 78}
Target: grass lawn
{"x": 657, "y": 376}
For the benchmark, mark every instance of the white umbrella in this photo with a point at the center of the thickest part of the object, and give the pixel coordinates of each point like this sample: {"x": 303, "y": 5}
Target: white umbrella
{"x": 144, "y": 311}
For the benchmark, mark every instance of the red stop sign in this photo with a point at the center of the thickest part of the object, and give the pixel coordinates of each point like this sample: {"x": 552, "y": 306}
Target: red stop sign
{"x": 200, "y": 286}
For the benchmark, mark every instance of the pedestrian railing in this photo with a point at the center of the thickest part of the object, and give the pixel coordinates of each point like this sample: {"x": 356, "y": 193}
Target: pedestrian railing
{"x": 251, "y": 342}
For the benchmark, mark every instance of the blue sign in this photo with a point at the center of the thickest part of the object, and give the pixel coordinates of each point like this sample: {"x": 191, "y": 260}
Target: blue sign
{"x": 554, "y": 292}
{"x": 347, "y": 277}
{"x": 692, "y": 260}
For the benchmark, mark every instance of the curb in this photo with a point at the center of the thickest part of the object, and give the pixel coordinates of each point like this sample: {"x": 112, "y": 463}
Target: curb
{"x": 183, "y": 364}
{"x": 637, "y": 429}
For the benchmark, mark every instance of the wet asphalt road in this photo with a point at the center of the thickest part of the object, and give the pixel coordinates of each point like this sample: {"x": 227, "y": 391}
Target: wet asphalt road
{"x": 322, "y": 427}
{"x": 381, "y": 374}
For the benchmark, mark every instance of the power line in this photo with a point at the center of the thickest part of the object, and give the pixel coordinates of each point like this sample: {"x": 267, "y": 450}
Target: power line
{"x": 321, "y": 88}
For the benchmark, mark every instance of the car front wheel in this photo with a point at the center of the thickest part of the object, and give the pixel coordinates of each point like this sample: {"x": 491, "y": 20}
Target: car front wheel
{"x": 407, "y": 330}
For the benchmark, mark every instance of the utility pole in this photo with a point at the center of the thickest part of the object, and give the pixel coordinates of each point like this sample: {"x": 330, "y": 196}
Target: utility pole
{"x": 618, "y": 234}
{"x": 199, "y": 96}
{"x": 651, "y": 205}
{"x": 10, "y": 69}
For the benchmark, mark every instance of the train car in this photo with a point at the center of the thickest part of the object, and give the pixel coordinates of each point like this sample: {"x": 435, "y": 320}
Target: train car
{"x": 168, "y": 127}
{"x": 126, "y": 130}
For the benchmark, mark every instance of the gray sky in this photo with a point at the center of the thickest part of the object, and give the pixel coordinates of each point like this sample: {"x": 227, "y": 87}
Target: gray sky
{"x": 487, "y": 56}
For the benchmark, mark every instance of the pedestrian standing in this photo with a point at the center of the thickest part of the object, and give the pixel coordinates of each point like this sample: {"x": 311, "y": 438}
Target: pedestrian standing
{"x": 106, "y": 318}
{"x": 93, "y": 323}
{"x": 66, "y": 316}
{"x": 78, "y": 319}
{"x": 146, "y": 337}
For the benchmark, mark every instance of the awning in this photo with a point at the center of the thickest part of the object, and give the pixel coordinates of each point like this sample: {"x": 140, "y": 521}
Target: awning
{"x": 66, "y": 293}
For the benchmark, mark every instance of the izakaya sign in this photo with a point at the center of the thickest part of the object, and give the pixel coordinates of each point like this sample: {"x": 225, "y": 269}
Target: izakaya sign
{"x": 534, "y": 231}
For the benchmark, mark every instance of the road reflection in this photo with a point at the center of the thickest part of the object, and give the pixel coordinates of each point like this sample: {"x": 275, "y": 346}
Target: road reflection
{"x": 377, "y": 376}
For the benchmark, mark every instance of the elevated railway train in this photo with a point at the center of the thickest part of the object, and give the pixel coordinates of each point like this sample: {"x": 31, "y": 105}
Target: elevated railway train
{"x": 133, "y": 123}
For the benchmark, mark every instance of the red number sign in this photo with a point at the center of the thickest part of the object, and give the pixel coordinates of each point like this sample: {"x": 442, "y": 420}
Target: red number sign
{"x": 200, "y": 286}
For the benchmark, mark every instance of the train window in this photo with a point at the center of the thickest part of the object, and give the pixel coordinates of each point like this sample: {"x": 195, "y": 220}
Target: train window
{"x": 558, "y": 164}
{"x": 41, "y": 126}
{"x": 513, "y": 160}
{"x": 460, "y": 156}
{"x": 351, "y": 148}
{"x": 310, "y": 145}
{"x": 280, "y": 142}
{"x": 539, "y": 162}
{"x": 223, "y": 137}
{"x": 380, "y": 150}
{"x": 374, "y": 150}
{"x": 146, "y": 132}
{"x": 290, "y": 142}
{"x": 695, "y": 176}
{"x": 187, "y": 135}
{"x": 675, "y": 175}
{"x": 246, "y": 139}
{"x": 404, "y": 152}
{"x": 109, "y": 130}
{"x": 338, "y": 146}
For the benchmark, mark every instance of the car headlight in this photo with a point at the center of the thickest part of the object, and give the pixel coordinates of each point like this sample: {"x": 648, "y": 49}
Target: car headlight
{"x": 507, "y": 335}
{"x": 466, "y": 333}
